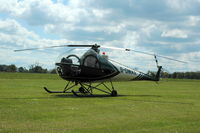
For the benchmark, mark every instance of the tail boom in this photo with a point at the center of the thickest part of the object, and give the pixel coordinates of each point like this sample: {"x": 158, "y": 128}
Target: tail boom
{"x": 127, "y": 74}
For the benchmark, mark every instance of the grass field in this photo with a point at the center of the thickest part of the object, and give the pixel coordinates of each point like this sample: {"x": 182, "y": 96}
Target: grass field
{"x": 172, "y": 106}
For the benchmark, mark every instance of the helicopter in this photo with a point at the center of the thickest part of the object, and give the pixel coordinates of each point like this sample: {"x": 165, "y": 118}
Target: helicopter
{"x": 92, "y": 70}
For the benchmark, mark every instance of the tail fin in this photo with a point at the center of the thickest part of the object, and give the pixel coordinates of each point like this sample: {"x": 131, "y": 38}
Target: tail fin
{"x": 157, "y": 77}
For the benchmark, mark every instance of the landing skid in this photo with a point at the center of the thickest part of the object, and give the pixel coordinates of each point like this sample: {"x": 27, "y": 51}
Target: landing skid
{"x": 86, "y": 89}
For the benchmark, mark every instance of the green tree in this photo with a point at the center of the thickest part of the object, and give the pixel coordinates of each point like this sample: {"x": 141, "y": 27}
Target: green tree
{"x": 53, "y": 71}
{"x": 35, "y": 68}
{"x": 3, "y": 68}
{"x": 22, "y": 69}
{"x": 11, "y": 68}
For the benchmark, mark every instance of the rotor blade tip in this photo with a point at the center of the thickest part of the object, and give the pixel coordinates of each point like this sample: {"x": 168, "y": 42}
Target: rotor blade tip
{"x": 128, "y": 49}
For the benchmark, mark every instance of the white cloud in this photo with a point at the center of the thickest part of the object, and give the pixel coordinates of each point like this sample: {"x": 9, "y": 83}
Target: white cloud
{"x": 15, "y": 35}
{"x": 175, "y": 33}
{"x": 12, "y": 33}
{"x": 100, "y": 13}
{"x": 149, "y": 29}
{"x": 179, "y": 4}
{"x": 37, "y": 12}
{"x": 131, "y": 39}
{"x": 193, "y": 20}
{"x": 183, "y": 6}
{"x": 12, "y": 27}
{"x": 192, "y": 57}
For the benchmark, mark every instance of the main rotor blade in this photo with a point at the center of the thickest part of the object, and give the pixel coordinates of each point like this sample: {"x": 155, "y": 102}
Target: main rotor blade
{"x": 147, "y": 53}
{"x": 53, "y": 47}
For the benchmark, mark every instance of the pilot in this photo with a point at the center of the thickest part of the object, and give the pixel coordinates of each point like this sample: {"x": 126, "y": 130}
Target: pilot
{"x": 91, "y": 61}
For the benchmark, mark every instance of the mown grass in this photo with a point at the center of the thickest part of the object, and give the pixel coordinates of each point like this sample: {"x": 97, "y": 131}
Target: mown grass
{"x": 172, "y": 106}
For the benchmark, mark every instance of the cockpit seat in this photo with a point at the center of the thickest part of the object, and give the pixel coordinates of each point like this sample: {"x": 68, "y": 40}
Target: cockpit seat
{"x": 66, "y": 60}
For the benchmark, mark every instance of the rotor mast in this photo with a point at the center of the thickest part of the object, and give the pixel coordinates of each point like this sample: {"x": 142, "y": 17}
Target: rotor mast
{"x": 95, "y": 47}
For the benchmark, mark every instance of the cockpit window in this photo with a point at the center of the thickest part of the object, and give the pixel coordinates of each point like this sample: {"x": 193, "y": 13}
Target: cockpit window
{"x": 91, "y": 61}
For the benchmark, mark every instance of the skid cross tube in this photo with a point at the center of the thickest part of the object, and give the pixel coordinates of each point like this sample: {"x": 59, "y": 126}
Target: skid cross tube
{"x": 95, "y": 87}
{"x": 90, "y": 87}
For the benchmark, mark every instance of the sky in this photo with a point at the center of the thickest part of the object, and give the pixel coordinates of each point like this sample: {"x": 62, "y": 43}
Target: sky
{"x": 164, "y": 27}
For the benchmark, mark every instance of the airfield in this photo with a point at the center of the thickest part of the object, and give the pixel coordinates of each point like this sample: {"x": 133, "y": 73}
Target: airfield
{"x": 171, "y": 106}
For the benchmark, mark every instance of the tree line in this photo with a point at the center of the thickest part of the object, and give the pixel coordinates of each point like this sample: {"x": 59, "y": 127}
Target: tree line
{"x": 35, "y": 68}
{"x": 181, "y": 75}
{"x": 177, "y": 75}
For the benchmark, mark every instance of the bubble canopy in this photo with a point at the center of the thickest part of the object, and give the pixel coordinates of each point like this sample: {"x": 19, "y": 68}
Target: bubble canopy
{"x": 73, "y": 54}
{"x": 84, "y": 64}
